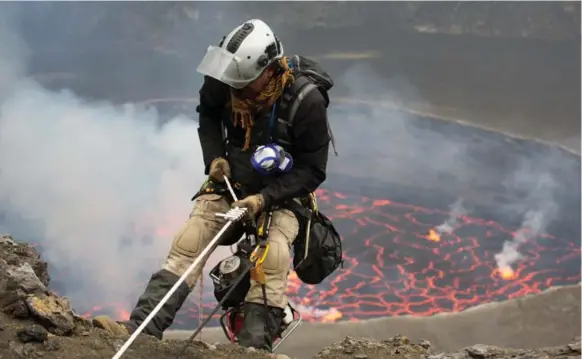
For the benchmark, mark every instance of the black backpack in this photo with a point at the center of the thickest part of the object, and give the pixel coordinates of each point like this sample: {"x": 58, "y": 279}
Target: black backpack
{"x": 314, "y": 73}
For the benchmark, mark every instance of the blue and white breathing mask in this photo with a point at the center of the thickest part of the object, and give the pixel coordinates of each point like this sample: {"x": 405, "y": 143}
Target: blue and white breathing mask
{"x": 271, "y": 159}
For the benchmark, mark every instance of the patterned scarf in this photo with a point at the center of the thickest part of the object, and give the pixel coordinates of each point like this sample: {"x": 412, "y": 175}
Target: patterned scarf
{"x": 243, "y": 110}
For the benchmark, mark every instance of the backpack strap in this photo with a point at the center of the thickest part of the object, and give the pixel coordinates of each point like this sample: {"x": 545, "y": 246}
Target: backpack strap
{"x": 303, "y": 92}
{"x": 296, "y": 61}
{"x": 292, "y": 97}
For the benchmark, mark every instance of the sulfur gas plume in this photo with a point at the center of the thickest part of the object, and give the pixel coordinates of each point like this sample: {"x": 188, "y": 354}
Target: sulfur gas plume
{"x": 510, "y": 254}
{"x": 540, "y": 210}
{"x": 457, "y": 210}
{"x": 448, "y": 226}
{"x": 103, "y": 187}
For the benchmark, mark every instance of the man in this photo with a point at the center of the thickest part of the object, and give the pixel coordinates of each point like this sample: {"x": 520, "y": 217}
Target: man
{"x": 246, "y": 78}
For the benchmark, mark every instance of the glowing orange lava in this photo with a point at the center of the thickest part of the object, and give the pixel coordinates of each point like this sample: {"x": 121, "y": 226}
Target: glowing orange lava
{"x": 395, "y": 263}
{"x": 433, "y": 236}
{"x": 506, "y": 273}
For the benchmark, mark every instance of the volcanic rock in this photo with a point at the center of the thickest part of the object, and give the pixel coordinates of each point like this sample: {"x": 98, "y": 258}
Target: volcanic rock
{"x": 36, "y": 323}
{"x": 32, "y": 333}
{"x": 400, "y": 347}
{"x": 480, "y": 351}
{"x": 54, "y": 312}
{"x": 17, "y": 254}
{"x": 23, "y": 289}
{"x": 23, "y": 277}
{"x": 395, "y": 347}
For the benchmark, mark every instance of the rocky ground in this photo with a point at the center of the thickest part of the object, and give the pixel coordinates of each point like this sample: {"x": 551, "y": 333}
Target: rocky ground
{"x": 36, "y": 323}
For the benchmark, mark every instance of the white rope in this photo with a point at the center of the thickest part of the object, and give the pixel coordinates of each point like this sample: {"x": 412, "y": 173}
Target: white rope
{"x": 230, "y": 189}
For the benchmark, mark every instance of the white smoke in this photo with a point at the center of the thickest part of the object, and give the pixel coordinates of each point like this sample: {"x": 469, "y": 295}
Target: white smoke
{"x": 93, "y": 179}
{"x": 88, "y": 173}
{"x": 456, "y": 211}
{"x": 533, "y": 225}
{"x": 540, "y": 210}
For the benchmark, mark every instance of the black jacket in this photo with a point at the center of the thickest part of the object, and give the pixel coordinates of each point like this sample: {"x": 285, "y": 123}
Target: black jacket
{"x": 309, "y": 135}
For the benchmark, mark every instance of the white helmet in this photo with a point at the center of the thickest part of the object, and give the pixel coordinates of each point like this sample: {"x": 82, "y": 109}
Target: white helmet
{"x": 242, "y": 55}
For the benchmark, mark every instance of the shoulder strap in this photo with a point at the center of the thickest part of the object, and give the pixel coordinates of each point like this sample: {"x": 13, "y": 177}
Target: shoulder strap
{"x": 296, "y": 61}
{"x": 304, "y": 91}
{"x": 291, "y": 99}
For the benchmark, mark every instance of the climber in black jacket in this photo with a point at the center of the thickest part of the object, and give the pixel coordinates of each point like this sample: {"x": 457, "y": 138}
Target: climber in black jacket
{"x": 261, "y": 128}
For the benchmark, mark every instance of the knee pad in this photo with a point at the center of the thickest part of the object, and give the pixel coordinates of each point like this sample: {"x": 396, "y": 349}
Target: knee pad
{"x": 278, "y": 257}
{"x": 201, "y": 227}
{"x": 187, "y": 245}
{"x": 191, "y": 238}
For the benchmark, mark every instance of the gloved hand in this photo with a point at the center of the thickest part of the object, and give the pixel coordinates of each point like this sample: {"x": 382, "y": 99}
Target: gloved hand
{"x": 219, "y": 168}
{"x": 254, "y": 204}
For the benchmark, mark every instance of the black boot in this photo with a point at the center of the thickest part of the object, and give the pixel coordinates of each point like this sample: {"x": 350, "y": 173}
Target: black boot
{"x": 158, "y": 286}
{"x": 261, "y": 325}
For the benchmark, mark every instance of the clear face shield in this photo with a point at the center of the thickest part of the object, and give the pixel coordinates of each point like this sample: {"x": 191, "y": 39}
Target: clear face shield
{"x": 225, "y": 67}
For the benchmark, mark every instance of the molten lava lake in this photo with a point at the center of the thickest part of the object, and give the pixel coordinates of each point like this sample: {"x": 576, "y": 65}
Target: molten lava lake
{"x": 425, "y": 208}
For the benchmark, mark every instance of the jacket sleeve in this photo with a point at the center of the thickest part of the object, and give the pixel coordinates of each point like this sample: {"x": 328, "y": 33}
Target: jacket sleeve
{"x": 310, "y": 153}
{"x": 213, "y": 99}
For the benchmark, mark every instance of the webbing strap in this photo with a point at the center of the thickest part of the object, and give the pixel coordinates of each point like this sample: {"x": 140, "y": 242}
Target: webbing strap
{"x": 305, "y": 90}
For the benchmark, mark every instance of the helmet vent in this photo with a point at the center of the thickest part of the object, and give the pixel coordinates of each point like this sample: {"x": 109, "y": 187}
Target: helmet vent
{"x": 271, "y": 50}
{"x": 270, "y": 53}
{"x": 239, "y": 36}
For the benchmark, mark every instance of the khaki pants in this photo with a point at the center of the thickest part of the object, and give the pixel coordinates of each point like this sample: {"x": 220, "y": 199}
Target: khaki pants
{"x": 203, "y": 225}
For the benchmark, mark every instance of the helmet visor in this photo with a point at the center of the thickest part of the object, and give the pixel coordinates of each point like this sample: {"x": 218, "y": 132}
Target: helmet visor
{"x": 224, "y": 67}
